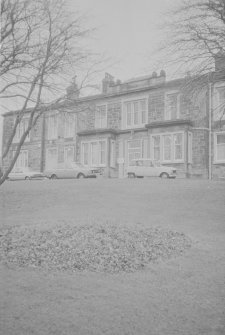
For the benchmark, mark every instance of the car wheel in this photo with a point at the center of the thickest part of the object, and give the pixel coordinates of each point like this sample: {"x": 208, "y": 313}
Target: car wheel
{"x": 131, "y": 175}
{"x": 80, "y": 176}
{"x": 27, "y": 178}
{"x": 53, "y": 176}
{"x": 164, "y": 175}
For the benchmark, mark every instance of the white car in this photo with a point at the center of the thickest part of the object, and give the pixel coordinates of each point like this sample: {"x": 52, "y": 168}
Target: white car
{"x": 75, "y": 170}
{"x": 149, "y": 168}
{"x": 25, "y": 174}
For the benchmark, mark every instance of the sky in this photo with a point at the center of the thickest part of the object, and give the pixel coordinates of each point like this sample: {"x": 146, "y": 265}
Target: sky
{"x": 127, "y": 33}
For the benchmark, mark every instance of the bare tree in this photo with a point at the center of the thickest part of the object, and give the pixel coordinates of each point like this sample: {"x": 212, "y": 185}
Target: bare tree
{"x": 40, "y": 48}
{"x": 195, "y": 38}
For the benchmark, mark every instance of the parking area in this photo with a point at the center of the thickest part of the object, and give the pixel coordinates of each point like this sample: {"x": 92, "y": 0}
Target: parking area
{"x": 182, "y": 295}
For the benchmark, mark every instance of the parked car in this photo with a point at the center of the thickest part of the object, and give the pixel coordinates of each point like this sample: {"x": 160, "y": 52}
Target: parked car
{"x": 150, "y": 168}
{"x": 25, "y": 174}
{"x": 75, "y": 170}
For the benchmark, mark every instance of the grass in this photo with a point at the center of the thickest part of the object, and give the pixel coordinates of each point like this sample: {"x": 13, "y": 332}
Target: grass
{"x": 176, "y": 295}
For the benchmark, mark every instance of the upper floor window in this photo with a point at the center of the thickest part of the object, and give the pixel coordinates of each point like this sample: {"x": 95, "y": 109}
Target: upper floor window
{"x": 69, "y": 128}
{"x": 135, "y": 113}
{"x": 82, "y": 121}
{"x": 172, "y": 106}
{"x": 20, "y": 130}
{"x": 219, "y": 103}
{"x": 220, "y": 147}
{"x": 52, "y": 127}
{"x": 101, "y": 117}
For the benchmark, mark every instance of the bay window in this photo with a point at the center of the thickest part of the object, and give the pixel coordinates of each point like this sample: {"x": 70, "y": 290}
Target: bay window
{"x": 220, "y": 147}
{"x": 93, "y": 153}
{"x": 168, "y": 147}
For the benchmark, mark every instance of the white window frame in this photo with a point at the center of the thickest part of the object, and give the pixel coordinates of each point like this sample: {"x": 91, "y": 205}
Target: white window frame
{"x": 99, "y": 121}
{"x": 216, "y": 160}
{"x": 69, "y": 125}
{"x": 90, "y": 161}
{"x": 132, "y": 102}
{"x": 167, "y": 111}
{"x": 20, "y": 129}
{"x": 17, "y": 165}
{"x": 50, "y": 134}
{"x": 216, "y": 102}
{"x": 173, "y": 160}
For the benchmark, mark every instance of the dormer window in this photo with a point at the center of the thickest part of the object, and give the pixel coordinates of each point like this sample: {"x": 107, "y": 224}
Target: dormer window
{"x": 172, "y": 106}
{"x": 134, "y": 113}
{"x": 101, "y": 117}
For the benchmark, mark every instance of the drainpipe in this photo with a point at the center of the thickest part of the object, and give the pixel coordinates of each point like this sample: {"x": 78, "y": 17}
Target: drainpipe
{"x": 43, "y": 144}
{"x": 210, "y": 131}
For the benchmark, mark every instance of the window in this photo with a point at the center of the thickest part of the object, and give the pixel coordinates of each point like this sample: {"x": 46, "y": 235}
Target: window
{"x": 51, "y": 158}
{"x": 101, "y": 117}
{"x": 52, "y": 127}
{"x": 134, "y": 150}
{"x": 22, "y": 160}
{"x": 172, "y": 106}
{"x": 82, "y": 121}
{"x": 135, "y": 113}
{"x": 69, "y": 128}
{"x": 220, "y": 147}
{"x": 21, "y": 128}
{"x": 94, "y": 153}
{"x": 156, "y": 147}
{"x": 178, "y": 146}
{"x": 102, "y": 149}
{"x": 168, "y": 147}
{"x": 219, "y": 103}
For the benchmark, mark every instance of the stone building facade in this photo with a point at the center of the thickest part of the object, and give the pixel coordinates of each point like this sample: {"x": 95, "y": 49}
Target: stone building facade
{"x": 146, "y": 117}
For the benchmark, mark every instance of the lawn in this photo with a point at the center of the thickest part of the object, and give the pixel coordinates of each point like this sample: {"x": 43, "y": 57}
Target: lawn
{"x": 182, "y": 294}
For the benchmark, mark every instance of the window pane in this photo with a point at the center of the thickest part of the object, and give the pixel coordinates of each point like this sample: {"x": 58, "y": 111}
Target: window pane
{"x": 178, "y": 146}
{"x": 156, "y": 147}
{"x": 221, "y": 139}
{"x": 221, "y": 152}
{"x": 167, "y": 147}
{"x": 94, "y": 153}
{"x": 102, "y": 146}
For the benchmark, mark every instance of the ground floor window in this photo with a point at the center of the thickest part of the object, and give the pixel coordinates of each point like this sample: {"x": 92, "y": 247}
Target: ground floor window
{"x": 22, "y": 160}
{"x": 93, "y": 153}
{"x": 220, "y": 147}
{"x": 134, "y": 150}
{"x": 168, "y": 147}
